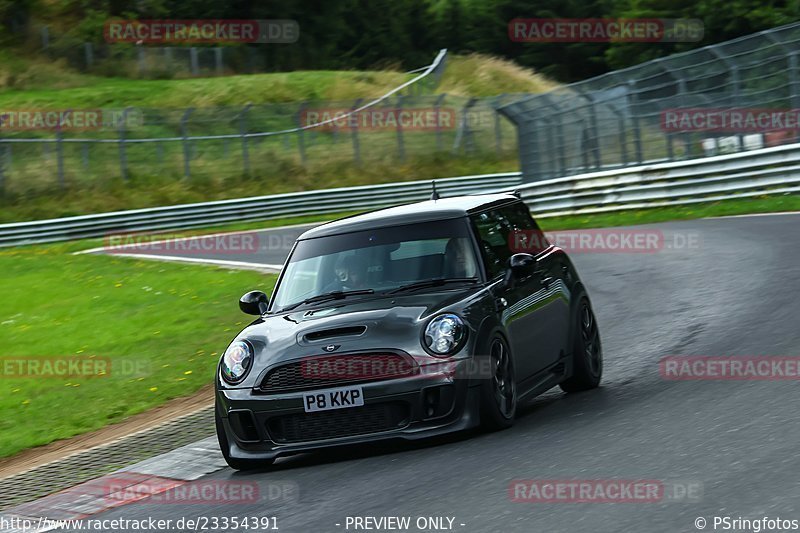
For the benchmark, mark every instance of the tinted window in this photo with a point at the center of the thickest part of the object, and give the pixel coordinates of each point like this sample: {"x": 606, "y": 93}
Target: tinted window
{"x": 496, "y": 230}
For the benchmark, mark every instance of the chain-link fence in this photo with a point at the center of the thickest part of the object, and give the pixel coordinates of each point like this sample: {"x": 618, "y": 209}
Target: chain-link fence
{"x": 82, "y": 148}
{"x": 738, "y": 95}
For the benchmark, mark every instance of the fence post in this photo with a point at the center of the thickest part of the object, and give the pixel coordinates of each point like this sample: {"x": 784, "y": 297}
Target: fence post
{"x": 187, "y": 149}
{"x": 637, "y": 130}
{"x": 686, "y": 136}
{"x": 45, "y": 38}
{"x": 594, "y": 140}
{"x": 243, "y": 135}
{"x": 123, "y": 156}
{"x": 301, "y": 140}
{"x": 195, "y": 66}
{"x": 60, "y": 156}
{"x": 218, "y": 60}
{"x": 85, "y": 155}
{"x": 401, "y": 148}
{"x": 498, "y": 133}
{"x": 623, "y": 140}
{"x": 88, "y": 54}
{"x": 140, "y": 52}
{"x": 437, "y": 106}
{"x": 2, "y": 163}
{"x": 356, "y": 146}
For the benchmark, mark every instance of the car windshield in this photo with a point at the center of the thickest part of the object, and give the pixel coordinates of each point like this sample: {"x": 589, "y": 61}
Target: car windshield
{"x": 382, "y": 259}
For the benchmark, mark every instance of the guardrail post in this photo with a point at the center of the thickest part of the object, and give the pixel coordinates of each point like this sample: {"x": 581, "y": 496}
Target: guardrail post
{"x": 243, "y": 136}
{"x": 85, "y": 155}
{"x": 123, "y": 156}
{"x": 301, "y": 141}
{"x": 401, "y": 149}
{"x": 186, "y": 145}
{"x": 356, "y": 145}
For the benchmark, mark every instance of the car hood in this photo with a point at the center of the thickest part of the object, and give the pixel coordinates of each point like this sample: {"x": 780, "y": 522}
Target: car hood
{"x": 391, "y": 322}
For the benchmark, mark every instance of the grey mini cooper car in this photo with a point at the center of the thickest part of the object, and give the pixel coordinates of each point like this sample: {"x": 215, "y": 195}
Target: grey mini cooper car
{"x": 406, "y": 322}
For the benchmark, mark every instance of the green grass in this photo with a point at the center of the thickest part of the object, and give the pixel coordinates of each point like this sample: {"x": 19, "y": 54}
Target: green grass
{"x": 31, "y": 83}
{"x": 205, "y": 185}
{"x": 167, "y": 321}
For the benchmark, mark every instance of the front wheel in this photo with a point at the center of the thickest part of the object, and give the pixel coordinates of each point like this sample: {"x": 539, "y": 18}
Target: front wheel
{"x": 587, "y": 352}
{"x": 499, "y": 393}
{"x": 224, "y": 446}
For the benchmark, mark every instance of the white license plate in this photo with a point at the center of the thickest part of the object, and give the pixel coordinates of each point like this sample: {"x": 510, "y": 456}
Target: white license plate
{"x": 325, "y": 400}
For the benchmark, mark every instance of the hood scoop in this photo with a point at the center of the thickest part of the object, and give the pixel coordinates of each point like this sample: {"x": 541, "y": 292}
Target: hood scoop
{"x": 332, "y": 333}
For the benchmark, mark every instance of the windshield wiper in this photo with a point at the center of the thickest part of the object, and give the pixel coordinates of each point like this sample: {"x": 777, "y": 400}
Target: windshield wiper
{"x": 333, "y": 295}
{"x": 434, "y": 282}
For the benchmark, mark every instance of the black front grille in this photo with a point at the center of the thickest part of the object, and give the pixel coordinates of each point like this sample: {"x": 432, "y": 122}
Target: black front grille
{"x": 323, "y": 371}
{"x": 348, "y": 422}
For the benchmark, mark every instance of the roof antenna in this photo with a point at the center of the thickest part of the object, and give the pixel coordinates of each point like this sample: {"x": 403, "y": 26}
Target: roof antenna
{"x": 434, "y": 194}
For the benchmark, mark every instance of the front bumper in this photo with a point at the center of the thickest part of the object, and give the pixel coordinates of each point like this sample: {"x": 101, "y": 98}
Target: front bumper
{"x": 262, "y": 426}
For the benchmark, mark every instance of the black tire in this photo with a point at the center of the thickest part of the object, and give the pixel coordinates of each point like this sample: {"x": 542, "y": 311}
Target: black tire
{"x": 236, "y": 464}
{"x": 499, "y": 393}
{"x": 587, "y": 350}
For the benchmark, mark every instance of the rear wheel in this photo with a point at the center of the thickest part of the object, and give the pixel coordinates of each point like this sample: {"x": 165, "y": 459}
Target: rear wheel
{"x": 224, "y": 446}
{"x": 499, "y": 393}
{"x": 587, "y": 351}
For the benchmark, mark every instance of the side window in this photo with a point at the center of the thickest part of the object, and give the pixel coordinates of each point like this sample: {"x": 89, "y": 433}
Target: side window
{"x": 526, "y": 236}
{"x": 493, "y": 230}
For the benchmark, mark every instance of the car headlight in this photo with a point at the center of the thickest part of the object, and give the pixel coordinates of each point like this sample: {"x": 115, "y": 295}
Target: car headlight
{"x": 236, "y": 362}
{"x": 444, "y": 334}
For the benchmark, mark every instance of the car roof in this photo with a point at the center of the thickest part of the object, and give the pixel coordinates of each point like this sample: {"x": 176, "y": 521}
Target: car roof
{"x": 428, "y": 211}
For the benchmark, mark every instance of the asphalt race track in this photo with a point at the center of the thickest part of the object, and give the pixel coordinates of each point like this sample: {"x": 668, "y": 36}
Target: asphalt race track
{"x": 733, "y": 293}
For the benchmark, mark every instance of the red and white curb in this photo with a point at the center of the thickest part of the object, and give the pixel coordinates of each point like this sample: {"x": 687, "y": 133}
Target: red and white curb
{"x": 157, "y": 475}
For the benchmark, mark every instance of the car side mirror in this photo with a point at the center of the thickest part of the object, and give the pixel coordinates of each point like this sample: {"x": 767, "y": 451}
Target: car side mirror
{"x": 518, "y": 266}
{"x": 254, "y": 303}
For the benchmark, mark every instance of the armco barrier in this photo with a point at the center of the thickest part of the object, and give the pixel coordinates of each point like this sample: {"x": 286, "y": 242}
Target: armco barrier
{"x": 758, "y": 172}
{"x": 246, "y": 209}
{"x": 744, "y": 174}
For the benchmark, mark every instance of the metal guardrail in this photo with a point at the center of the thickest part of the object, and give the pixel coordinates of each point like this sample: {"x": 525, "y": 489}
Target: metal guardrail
{"x": 247, "y": 209}
{"x": 766, "y": 171}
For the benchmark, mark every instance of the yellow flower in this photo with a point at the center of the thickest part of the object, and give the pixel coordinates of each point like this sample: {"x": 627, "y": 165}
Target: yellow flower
{"x": 153, "y": 389}
{"x": 187, "y": 372}
{"x": 26, "y": 402}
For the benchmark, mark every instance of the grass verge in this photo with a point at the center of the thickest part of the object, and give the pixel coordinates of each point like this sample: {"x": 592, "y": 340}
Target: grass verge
{"x": 161, "y": 325}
